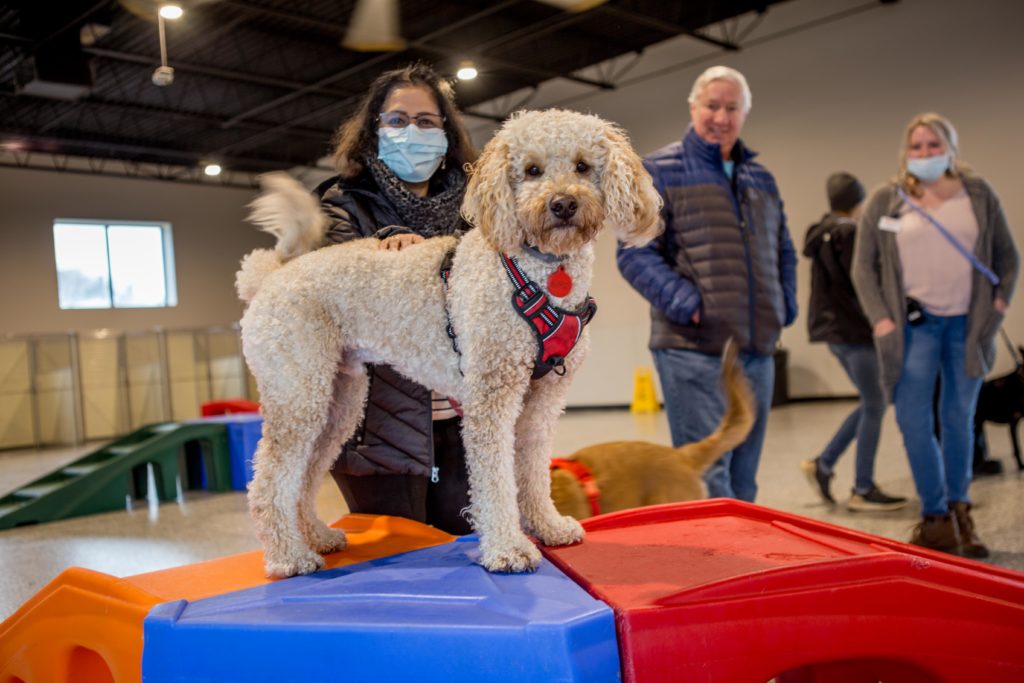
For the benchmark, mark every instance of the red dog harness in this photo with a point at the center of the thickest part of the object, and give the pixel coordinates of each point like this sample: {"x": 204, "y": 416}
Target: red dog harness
{"x": 556, "y": 329}
{"x": 584, "y": 477}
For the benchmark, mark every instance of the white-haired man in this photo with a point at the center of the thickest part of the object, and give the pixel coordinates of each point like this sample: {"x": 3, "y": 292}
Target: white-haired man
{"x": 724, "y": 267}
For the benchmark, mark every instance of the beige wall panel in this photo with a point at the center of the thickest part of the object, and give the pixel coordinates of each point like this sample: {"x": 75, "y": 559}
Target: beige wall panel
{"x": 16, "y": 421}
{"x": 103, "y": 407}
{"x": 56, "y": 417}
{"x": 15, "y": 373}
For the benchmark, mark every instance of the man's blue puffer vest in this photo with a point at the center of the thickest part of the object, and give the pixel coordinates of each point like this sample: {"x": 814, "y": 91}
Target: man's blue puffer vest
{"x": 726, "y": 251}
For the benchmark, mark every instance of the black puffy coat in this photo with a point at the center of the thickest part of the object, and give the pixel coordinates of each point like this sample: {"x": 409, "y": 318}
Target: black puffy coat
{"x": 834, "y": 314}
{"x": 396, "y": 435}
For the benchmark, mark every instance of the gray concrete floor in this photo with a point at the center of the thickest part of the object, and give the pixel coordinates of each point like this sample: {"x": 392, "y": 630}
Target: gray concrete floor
{"x": 207, "y": 526}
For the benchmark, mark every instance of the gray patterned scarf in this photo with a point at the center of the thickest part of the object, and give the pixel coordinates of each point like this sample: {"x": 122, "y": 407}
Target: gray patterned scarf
{"x": 430, "y": 216}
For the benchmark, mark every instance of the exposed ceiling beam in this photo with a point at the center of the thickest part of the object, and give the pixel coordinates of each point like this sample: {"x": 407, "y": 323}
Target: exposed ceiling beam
{"x": 666, "y": 26}
{"x": 513, "y": 66}
{"x": 365, "y": 64}
{"x": 73, "y": 24}
{"x": 120, "y": 150}
{"x": 211, "y": 122}
{"x": 14, "y": 38}
{"x": 214, "y": 72}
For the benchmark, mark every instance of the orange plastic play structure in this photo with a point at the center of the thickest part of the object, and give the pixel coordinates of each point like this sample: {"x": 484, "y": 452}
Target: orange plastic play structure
{"x": 86, "y": 626}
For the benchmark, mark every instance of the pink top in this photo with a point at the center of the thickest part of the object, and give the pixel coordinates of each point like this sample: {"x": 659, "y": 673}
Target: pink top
{"x": 934, "y": 272}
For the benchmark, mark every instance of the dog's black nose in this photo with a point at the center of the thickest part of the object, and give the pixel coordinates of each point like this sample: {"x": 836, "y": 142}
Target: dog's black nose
{"x": 563, "y": 206}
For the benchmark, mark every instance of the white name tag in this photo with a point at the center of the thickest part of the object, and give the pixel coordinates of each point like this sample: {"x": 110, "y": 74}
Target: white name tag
{"x": 889, "y": 224}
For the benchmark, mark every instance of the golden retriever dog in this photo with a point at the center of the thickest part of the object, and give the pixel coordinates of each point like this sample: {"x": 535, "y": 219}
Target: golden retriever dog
{"x": 539, "y": 194}
{"x": 630, "y": 474}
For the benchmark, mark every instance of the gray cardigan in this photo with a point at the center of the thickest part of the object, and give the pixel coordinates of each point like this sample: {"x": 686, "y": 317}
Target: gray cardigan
{"x": 878, "y": 278}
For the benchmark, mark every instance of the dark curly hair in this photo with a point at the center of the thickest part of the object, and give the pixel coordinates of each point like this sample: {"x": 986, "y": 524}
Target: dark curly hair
{"x": 356, "y": 138}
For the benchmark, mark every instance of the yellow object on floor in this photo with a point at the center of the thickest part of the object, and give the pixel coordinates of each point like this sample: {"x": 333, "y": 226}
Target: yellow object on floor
{"x": 644, "y": 398}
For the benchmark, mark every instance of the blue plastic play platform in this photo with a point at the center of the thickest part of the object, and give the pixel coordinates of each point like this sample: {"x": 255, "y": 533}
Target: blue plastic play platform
{"x": 427, "y": 615}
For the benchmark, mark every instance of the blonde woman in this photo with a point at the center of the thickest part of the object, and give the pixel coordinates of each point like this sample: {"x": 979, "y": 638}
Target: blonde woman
{"x": 934, "y": 268}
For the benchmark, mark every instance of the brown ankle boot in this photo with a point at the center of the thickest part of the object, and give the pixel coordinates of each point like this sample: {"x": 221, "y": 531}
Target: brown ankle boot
{"x": 937, "y": 532}
{"x": 971, "y": 544}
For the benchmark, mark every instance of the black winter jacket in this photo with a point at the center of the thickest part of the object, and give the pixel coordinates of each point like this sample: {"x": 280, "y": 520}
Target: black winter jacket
{"x": 396, "y": 435}
{"x": 835, "y": 316}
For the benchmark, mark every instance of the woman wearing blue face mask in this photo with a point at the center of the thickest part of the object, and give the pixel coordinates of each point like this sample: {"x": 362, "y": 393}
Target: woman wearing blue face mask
{"x": 401, "y": 160}
{"x": 934, "y": 268}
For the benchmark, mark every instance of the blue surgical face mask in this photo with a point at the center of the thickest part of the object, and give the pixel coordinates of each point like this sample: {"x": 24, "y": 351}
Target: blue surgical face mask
{"x": 928, "y": 169}
{"x": 412, "y": 154}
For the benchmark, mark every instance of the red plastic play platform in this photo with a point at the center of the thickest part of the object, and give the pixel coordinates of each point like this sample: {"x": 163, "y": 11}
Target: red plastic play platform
{"x": 725, "y": 591}
{"x": 228, "y": 407}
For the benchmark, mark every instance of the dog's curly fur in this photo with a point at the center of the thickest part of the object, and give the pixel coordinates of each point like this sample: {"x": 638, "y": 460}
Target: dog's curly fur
{"x": 631, "y": 474}
{"x": 313, "y": 321}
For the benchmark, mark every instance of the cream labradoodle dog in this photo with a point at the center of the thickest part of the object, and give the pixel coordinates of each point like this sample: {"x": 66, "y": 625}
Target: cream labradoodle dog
{"x": 542, "y": 190}
{"x": 631, "y": 474}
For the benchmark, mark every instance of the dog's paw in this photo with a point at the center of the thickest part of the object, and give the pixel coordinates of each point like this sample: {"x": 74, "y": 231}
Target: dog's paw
{"x": 327, "y": 540}
{"x": 521, "y": 556}
{"x": 283, "y": 567}
{"x": 563, "y": 530}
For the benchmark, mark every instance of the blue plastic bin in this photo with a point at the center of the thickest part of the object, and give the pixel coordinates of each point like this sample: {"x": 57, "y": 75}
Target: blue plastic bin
{"x": 426, "y": 615}
{"x": 244, "y": 432}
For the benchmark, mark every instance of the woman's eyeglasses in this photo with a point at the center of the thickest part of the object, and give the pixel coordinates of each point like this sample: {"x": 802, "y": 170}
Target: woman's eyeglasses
{"x": 399, "y": 119}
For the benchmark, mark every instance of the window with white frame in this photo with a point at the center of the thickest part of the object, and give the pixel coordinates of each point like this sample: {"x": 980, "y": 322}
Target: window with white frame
{"x": 114, "y": 264}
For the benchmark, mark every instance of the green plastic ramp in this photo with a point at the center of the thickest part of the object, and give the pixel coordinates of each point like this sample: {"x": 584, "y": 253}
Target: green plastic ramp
{"x": 185, "y": 455}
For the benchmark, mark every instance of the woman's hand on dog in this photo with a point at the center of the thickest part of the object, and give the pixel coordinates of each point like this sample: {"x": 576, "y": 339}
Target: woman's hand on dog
{"x": 399, "y": 242}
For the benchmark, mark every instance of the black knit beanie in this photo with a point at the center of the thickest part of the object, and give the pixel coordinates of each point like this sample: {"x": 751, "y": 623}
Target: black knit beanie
{"x": 844, "y": 191}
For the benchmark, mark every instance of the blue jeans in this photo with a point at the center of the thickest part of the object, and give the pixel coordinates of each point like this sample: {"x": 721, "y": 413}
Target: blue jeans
{"x": 692, "y": 384}
{"x": 936, "y": 348}
{"x": 865, "y": 422}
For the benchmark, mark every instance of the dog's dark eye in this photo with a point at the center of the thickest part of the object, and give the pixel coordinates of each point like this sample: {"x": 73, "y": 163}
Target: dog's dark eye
{"x": 534, "y": 171}
{"x": 582, "y": 167}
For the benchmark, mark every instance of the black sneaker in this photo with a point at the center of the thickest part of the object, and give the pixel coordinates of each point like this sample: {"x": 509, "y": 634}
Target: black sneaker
{"x": 820, "y": 482}
{"x": 875, "y": 501}
{"x": 987, "y": 467}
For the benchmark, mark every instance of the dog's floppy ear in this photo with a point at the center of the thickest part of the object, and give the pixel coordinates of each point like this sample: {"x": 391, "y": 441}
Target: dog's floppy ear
{"x": 632, "y": 205}
{"x": 489, "y": 203}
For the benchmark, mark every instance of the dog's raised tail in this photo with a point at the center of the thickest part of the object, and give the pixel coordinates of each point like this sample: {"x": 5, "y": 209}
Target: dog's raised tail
{"x": 289, "y": 212}
{"x": 737, "y": 421}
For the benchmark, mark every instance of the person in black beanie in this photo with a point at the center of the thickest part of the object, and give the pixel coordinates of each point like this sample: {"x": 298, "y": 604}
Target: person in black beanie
{"x": 835, "y": 317}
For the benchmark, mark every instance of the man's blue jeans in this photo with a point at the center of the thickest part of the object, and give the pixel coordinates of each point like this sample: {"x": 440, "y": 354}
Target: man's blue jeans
{"x": 865, "y": 422}
{"x": 692, "y": 384}
{"x": 937, "y": 348}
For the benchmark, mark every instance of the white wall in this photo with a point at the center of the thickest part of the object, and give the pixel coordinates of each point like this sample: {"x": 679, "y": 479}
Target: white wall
{"x": 833, "y": 96}
{"x": 826, "y": 97}
{"x": 210, "y": 238}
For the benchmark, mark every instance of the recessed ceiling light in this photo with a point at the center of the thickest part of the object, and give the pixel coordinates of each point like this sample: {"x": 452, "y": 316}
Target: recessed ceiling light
{"x": 170, "y": 12}
{"x": 212, "y": 169}
{"x": 467, "y": 71}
